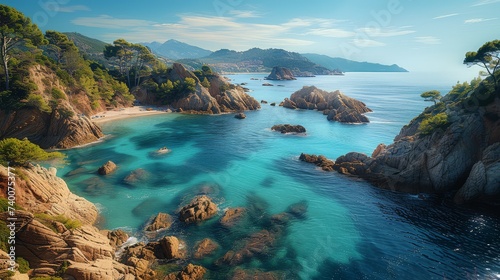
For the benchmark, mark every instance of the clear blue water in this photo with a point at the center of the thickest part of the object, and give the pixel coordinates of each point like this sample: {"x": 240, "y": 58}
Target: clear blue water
{"x": 351, "y": 230}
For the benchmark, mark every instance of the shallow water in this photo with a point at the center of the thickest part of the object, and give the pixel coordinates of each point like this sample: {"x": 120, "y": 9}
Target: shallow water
{"x": 350, "y": 231}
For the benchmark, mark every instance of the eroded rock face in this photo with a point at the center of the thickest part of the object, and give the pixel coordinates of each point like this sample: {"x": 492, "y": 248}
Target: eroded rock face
{"x": 462, "y": 157}
{"x": 280, "y": 73}
{"x": 199, "y": 209}
{"x": 170, "y": 247}
{"x": 287, "y": 128}
{"x": 337, "y": 106}
{"x": 48, "y": 130}
{"x": 44, "y": 192}
{"x": 108, "y": 168}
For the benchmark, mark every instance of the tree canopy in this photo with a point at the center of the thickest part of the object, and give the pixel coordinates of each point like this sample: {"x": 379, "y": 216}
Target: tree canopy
{"x": 488, "y": 57}
{"x": 431, "y": 95}
{"x": 19, "y": 152}
{"x": 15, "y": 29}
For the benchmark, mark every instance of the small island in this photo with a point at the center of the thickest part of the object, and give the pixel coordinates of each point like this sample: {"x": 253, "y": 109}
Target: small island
{"x": 280, "y": 74}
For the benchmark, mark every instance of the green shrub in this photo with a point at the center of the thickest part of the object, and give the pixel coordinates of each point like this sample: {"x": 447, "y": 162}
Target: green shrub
{"x": 19, "y": 152}
{"x": 24, "y": 265}
{"x": 430, "y": 123}
{"x": 47, "y": 220}
{"x": 37, "y": 101}
{"x": 4, "y": 236}
{"x": 58, "y": 94}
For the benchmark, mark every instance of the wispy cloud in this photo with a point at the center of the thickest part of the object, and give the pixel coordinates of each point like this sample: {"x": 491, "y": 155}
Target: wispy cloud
{"x": 207, "y": 31}
{"x": 446, "y": 16}
{"x": 68, "y": 9}
{"x": 386, "y": 32}
{"x": 244, "y": 14}
{"x": 105, "y": 21}
{"x": 331, "y": 32}
{"x": 366, "y": 43}
{"x": 485, "y": 2}
{"x": 478, "y": 20}
{"x": 428, "y": 40}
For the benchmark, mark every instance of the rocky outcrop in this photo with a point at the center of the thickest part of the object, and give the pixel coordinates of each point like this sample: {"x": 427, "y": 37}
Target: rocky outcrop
{"x": 136, "y": 176}
{"x": 199, "y": 209}
{"x": 220, "y": 97}
{"x": 460, "y": 157}
{"x": 170, "y": 247}
{"x": 48, "y": 130}
{"x": 337, "y": 106}
{"x": 240, "y": 116}
{"x": 320, "y": 161}
{"x": 287, "y": 128}
{"x": 280, "y": 73}
{"x": 205, "y": 248}
{"x": 232, "y": 216}
{"x": 190, "y": 272}
{"x": 107, "y": 168}
{"x": 43, "y": 192}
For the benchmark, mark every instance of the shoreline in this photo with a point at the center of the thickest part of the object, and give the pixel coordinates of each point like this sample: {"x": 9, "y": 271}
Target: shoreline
{"x": 126, "y": 113}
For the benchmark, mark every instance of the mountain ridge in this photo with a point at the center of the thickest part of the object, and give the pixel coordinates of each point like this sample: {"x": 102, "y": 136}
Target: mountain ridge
{"x": 346, "y": 65}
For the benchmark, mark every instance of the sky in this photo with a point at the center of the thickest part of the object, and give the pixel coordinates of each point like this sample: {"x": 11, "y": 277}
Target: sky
{"x": 417, "y": 35}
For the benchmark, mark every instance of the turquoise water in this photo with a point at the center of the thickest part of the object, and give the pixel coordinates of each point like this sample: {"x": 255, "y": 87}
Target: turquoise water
{"x": 350, "y": 231}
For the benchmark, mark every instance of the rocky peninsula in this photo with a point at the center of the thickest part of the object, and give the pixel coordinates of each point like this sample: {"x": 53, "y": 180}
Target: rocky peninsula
{"x": 452, "y": 148}
{"x": 335, "y": 105}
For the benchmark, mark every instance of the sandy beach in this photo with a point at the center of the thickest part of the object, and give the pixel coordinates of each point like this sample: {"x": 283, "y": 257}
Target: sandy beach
{"x": 124, "y": 113}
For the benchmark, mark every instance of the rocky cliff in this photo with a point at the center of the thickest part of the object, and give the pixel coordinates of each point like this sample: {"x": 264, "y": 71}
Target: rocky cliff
{"x": 459, "y": 156}
{"x": 336, "y": 105}
{"x": 219, "y": 97}
{"x": 63, "y": 125}
{"x": 48, "y": 130}
{"x": 280, "y": 73}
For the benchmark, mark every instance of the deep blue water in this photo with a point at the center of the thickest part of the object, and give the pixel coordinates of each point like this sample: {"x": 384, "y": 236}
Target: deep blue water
{"x": 351, "y": 230}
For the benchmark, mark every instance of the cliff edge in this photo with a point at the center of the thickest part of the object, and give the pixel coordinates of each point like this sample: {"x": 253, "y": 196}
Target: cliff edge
{"x": 451, "y": 148}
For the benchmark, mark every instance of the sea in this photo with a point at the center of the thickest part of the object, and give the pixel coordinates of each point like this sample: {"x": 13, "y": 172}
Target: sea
{"x": 351, "y": 230}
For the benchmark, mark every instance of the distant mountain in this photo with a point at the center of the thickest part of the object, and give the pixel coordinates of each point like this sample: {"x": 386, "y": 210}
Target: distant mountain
{"x": 259, "y": 60}
{"x": 346, "y": 65}
{"x": 174, "y": 49}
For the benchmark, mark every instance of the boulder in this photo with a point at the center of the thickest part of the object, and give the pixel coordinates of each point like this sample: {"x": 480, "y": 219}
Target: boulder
{"x": 116, "y": 237}
{"x": 263, "y": 102}
{"x": 199, "y": 209}
{"x": 205, "y": 248}
{"x": 108, "y": 168}
{"x": 232, "y": 216}
{"x": 240, "y": 116}
{"x": 159, "y": 222}
{"x": 170, "y": 247}
{"x": 287, "y": 103}
{"x": 280, "y": 73}
{"x": 190, "y": 272}
{"x": 287, "y": 128}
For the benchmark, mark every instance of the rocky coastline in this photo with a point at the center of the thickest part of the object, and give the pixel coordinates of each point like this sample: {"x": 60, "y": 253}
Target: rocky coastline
{"x": 56, "y": 234}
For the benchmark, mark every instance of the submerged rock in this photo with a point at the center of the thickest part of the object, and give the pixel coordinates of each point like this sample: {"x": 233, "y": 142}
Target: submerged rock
{"x": 287, "y": 128}
{"x": 190, "y": 272}
{"x": 232, "y": 216}
{"x": 199, "y": 209}
{"x": 205, "y": 248}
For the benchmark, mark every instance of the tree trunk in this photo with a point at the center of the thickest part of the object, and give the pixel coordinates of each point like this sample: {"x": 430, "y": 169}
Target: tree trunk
{"x": 5, "y": 61}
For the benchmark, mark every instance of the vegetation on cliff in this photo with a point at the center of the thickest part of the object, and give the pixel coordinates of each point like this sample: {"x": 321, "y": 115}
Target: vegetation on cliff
{"x": 19, "y": 152}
